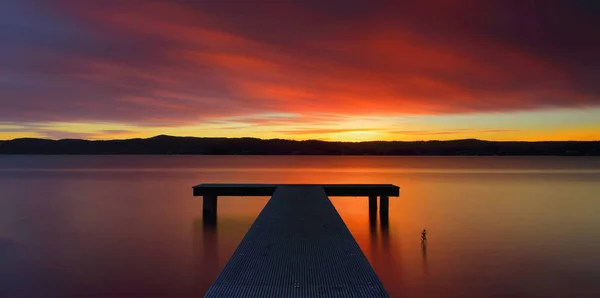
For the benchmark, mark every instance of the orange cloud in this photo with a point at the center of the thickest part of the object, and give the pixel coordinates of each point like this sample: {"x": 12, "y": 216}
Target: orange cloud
{"x": 179, "y": 63}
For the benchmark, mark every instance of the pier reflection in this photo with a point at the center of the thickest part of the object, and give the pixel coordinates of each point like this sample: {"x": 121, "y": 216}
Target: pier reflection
{"x": 383, "y": 248}
{"x": 380, "y": 232}
{"x": 206, "y": 252}
{"x": 424, "y": 251}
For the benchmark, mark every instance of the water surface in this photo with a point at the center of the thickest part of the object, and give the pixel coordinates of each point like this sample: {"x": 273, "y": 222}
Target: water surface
{"x": 128, "y": 226}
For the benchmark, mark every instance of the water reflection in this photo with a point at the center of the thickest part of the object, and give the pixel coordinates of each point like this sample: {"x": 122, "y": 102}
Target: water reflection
{"x": 424, "y": 250}
{"x": 383, "y": 248}
{"x": 535, "y": 219}
{"x": 385, "y": 235}
{"x": 384, "y": 228}
{"x": 206, "y": 252}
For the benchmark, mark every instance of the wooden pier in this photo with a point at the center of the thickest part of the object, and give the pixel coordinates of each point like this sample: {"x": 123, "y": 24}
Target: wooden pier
{"x": 211, "y": 192}
{"x": 299, "y": 245}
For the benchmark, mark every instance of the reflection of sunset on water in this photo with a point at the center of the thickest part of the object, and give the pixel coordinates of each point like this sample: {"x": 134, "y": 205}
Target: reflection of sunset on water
{"x": 146, "y": 235}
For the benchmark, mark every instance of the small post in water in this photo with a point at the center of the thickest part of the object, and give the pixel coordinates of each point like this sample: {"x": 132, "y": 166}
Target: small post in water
{"x": 384, "y": 209}
{"x": 373, "y": 212}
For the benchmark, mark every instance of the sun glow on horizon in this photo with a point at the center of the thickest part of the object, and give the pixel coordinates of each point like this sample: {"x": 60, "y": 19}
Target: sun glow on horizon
{"x": 552, "y": 125}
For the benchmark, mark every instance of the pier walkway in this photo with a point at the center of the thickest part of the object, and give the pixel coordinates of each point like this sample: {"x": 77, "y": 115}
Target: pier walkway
{"x": 299, "y": 246}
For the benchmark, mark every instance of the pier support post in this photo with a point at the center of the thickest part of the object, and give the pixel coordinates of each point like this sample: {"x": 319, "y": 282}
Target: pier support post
{"x": 373, "y": 211}
{"x": 384, "y": 209}
{"x": 209, "y": 209}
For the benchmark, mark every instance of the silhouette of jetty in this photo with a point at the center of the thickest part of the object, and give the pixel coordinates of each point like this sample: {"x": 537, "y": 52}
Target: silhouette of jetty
{"x": 252, "y": 146}
{"x": 298, "y": 246}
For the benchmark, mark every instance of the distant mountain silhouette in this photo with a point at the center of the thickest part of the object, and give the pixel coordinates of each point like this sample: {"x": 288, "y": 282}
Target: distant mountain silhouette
{"x": 229, "y": 146}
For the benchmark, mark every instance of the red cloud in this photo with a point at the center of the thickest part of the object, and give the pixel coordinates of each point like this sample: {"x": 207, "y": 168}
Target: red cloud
{"x": 177, "y": 61}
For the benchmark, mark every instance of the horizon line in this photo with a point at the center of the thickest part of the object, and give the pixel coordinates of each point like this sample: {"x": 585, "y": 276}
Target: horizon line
{"x": 305, "y": 140}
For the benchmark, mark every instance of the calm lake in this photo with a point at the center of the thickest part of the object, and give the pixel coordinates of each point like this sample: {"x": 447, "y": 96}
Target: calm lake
{"x": 128, "y": 226}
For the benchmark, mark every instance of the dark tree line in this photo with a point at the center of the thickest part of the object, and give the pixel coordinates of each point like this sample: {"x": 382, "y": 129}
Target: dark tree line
{"x": 231, "y": 146}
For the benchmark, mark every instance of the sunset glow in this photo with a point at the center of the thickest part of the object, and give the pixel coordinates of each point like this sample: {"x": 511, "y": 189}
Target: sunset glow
{"x": 309, "y": 69}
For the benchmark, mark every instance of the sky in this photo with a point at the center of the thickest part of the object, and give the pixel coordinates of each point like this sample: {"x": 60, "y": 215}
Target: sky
{"x": 340, "y": 70}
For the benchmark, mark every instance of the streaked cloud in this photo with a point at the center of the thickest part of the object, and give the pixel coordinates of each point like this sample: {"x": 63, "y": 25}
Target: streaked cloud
{"x": 306, "y": 68}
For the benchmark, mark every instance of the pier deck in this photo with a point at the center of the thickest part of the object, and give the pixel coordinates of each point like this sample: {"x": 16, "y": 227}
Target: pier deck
{"x": 298, "y": 247}
{"x": 210, "y": 193}
{"x": 339, "y": 190}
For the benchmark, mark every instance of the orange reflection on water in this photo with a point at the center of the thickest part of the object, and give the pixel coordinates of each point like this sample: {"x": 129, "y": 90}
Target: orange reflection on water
{"x": 121, "y": 226}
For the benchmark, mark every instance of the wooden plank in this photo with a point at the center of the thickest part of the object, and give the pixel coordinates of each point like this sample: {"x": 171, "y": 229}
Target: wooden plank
{"x": 298, "y": 247}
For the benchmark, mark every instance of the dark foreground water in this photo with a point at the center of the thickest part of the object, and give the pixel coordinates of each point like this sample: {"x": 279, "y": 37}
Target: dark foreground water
{"x": 128, "y": 226}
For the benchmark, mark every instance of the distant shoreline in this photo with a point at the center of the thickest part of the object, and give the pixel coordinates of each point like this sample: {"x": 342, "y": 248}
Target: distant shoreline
{"x": 168, "y": 145}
